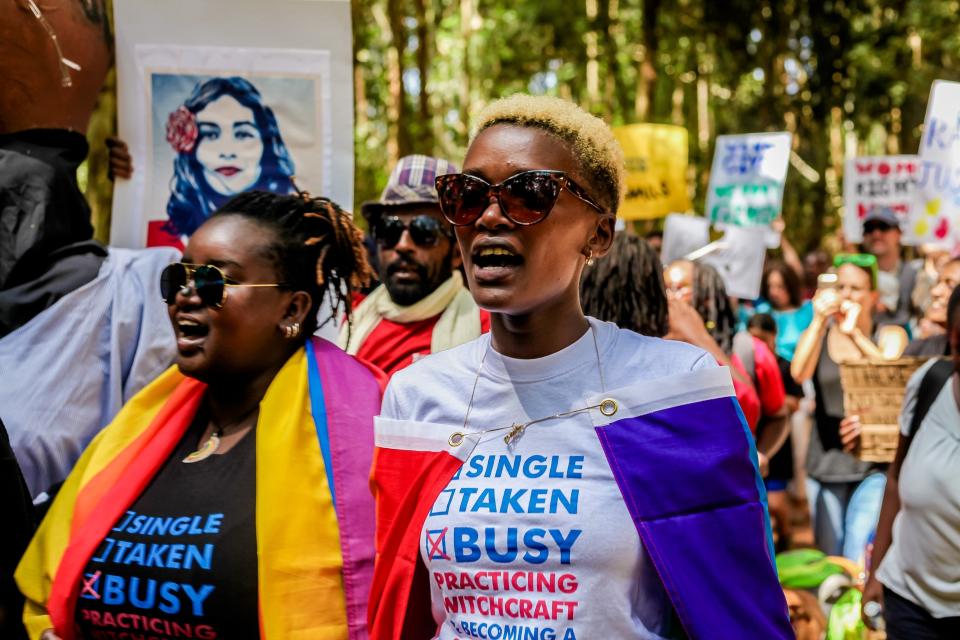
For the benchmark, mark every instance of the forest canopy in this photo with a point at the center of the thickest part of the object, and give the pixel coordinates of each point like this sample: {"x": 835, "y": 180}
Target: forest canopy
{"x": 844, "y": 77}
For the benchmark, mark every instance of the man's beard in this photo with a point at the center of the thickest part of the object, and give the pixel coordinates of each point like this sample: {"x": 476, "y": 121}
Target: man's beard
{"x": 408, "y": 293}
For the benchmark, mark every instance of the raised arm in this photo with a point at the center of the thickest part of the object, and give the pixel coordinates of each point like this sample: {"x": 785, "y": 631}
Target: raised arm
{"x": 807, "y": 353}
{"x": 790, "y": 256}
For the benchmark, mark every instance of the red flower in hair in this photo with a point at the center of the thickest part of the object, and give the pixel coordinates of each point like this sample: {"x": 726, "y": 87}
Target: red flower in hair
{"x": 182, "y": 130}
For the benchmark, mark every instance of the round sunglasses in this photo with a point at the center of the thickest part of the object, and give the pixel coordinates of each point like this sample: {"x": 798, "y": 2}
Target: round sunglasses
{"x": 425, "y": 231}
{"x": 524, "y": 198}
{"x": 209, "y": 282}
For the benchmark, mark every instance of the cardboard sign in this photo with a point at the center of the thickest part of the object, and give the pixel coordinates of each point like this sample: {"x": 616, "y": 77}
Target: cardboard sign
{"x": 740, "y": 260}
{"x": 656, "y": 159}
{"x": 936, "y": 215}
{"x": 747, "y": 178}
{"x": 682, "y": 235}
{"x": 208, "y": 114}
{"x": 874, "y": 181}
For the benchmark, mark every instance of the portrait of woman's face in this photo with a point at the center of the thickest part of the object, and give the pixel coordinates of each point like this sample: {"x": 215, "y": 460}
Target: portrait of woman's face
{"x": 213, "y": 136}
{"x": 229, "y": 146}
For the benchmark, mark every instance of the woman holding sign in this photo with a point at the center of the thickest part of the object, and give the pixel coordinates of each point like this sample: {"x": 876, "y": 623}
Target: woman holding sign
{"x": 510, "y": 471}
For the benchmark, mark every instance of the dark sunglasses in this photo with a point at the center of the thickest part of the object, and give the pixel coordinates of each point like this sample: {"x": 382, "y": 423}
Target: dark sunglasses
{"x": 525, "y": 198}
{"x": 425, "y": 231}
{"x": 209, "y": 282}
{"x": 870, "y": 227}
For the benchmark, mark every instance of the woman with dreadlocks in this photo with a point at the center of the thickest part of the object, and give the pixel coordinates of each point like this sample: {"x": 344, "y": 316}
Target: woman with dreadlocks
{"x": 625, "y": 287}
{"x": 701, "y": 313}
{"x": 229, "y": 498}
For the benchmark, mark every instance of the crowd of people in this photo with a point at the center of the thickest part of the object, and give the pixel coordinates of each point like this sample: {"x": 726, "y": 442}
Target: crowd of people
{"x": 523, "y": 425}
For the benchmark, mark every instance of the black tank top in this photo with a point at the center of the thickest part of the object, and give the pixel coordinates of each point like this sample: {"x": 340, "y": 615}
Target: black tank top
{"x": 826, "y": 459}
{"x": 181, "y": 562}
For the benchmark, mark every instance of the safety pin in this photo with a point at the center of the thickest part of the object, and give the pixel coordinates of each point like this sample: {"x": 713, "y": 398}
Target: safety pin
{"x": 607, "y": 406}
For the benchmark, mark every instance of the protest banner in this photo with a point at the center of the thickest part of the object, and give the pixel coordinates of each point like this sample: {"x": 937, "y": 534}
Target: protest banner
{"x": 208, "y": 112}
{"x": 936, "y": 217}
{"x": 740, "y": 260}
{"x": 875, "y": 181}
{"x": 682, "y": 235}
{"x": 656, "y": 159}
{"x": 746, "y": 180}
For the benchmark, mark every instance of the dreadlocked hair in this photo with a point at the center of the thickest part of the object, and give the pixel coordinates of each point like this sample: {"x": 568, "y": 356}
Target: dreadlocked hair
{"x": 712, "y": 303}
{"x": 316, "y": 247}
{"x": 626, "y": 287}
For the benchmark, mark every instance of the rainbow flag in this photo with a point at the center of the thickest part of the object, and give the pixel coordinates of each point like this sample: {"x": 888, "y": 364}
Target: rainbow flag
{"x": 314, "y": 511}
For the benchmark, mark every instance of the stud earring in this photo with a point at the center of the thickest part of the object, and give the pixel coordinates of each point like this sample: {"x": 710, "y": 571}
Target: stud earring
{"x": 291, "y": 331}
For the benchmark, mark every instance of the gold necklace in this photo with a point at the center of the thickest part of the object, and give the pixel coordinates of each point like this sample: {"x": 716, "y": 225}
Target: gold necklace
{"x": 211, "y": 444}
{"x": 607, "y": 406}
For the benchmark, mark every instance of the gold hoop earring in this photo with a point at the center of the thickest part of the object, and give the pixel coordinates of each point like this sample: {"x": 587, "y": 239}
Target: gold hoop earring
{"x": 291, "y": 331}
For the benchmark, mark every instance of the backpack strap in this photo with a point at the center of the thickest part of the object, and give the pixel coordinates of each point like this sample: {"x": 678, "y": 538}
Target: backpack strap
{"x": 930, "y": 387}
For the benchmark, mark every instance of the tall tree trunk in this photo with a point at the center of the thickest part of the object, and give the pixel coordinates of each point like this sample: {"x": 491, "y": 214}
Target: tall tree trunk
{"x": 400, "y": 143}
{"x": 466, "y": 88}
{"x": 648, "y": 66}
{"x": 424, "y": 47}
{"x": 774, "y": 44}
{"x": 609, "y": 24}
{"x": 829, "y": 41}
{"x": 591, "y": 40}
{"x": 359, "y": 83}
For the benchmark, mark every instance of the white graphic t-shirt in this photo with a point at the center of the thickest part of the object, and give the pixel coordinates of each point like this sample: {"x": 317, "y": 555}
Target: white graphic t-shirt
{"x": 532, "y": 540}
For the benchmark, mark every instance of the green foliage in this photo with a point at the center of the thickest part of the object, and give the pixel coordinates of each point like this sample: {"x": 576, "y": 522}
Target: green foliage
{"x": 844, "y": 76}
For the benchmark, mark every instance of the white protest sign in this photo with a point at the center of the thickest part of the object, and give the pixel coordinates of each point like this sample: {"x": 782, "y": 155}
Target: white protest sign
{"x": 936, "y": 216}
{"x": 212, "y": 112}
{"x": 878, "y": 181}
{"x": 682, "y": 235}
{"x": 747, "y": 179}
{"x": 740, "y": 260}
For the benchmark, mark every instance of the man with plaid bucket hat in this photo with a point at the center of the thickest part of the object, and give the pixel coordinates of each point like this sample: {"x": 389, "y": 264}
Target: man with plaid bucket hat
{"x": 421, "y": 305}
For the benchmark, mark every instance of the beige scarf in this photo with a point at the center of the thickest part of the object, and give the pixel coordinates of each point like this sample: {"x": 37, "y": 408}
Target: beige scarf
{"x": 459, "y": 322}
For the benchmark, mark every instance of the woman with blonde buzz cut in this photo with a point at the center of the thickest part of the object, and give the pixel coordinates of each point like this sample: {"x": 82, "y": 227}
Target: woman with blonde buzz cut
{"x": 560, "y": 477}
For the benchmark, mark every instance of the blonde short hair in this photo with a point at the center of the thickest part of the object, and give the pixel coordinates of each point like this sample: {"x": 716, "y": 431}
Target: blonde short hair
{"x": 591, "y": 140}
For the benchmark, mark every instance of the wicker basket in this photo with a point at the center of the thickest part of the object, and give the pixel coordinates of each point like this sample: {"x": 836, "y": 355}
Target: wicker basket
{"x": 874, "y": 391}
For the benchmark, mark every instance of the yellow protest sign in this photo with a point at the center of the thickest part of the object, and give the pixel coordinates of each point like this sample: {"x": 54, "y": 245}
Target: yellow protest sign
{"x": 656, "y": 157}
